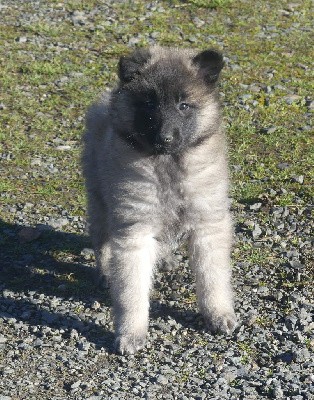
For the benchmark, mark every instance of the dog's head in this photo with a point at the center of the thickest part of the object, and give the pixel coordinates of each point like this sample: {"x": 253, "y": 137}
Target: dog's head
{"x": 166, "y": 100}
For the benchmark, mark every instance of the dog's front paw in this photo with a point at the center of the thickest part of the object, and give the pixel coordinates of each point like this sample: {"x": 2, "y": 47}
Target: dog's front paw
{"x": 221, "y": 323}
{"x": 129, "y": 344}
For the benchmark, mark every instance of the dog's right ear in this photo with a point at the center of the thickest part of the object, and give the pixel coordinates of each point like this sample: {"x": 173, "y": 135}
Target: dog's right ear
{"x": 130, "y": 66}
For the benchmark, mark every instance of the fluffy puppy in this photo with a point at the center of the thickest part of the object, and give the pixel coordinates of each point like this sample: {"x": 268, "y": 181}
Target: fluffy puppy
{"x": 155, "y": 167}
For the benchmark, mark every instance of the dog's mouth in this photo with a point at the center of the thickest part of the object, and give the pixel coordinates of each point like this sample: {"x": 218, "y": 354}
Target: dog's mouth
{"x": 153, "y": 146}
{"x": 167, "y": 148}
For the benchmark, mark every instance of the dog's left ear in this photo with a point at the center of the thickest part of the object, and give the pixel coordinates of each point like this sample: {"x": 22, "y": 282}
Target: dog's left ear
{"x": 209, "y": 63}
{"x": 130, "y": 66}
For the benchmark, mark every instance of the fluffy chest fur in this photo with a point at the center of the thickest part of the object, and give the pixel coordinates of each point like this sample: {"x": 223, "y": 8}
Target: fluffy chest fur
{"x": 146, "y": 191}
{"x": 170, "y": 195}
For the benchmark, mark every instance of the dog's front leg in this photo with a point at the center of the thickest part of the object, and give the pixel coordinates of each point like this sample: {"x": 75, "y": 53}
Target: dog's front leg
{"x": 132, "y": 262}
{"x": 210, "y": 259}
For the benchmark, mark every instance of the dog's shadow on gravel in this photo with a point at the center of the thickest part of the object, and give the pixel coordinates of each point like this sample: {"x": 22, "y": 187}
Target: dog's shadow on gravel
{"x": 40, "y": 266}
{"x": 46, "y": 261}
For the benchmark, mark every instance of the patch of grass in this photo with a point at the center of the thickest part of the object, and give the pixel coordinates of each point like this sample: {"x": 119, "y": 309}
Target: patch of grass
{"x": 262, "y": 321}
{"x": 247, "y": 353}
{"x": 43, "y": 29}
{"x": 309, "y": 344}
{"x": 209, "y": 3}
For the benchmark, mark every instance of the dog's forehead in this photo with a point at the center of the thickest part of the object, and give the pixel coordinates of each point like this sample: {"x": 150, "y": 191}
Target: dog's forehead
{"x": 171, "y": 76}
{"x": 169, "y": 68}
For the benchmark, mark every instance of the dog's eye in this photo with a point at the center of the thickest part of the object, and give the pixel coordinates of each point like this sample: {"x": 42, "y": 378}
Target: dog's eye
{"x": 184, "y": 106}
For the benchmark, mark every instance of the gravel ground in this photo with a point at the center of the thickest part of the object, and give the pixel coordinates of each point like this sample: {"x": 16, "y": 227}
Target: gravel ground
{"x": 55, "y": 325}
{"x": 57, "y": 346}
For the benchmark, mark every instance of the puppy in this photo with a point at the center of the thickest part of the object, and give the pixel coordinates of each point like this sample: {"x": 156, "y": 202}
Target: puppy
{"x": 155, "y": 167}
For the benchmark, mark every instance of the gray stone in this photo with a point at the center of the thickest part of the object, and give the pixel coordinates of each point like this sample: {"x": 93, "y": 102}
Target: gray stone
{"x": 255, "y": 206}
{"x": 291, "y": 99}
{"x": 298, "y": 178}
{"x": 76, "y": 384}
{"x": 84, "y": 346}
{"x": 38, "y": 343}
{"x": 59, "y": 223}
{"x": 256, "y": 231}
{"x": 22, "y": 39}
{"x": 162, "y": 379}
{"x": 87, "y": 253}
{"x": 271, "y": 130}
{"x": 277, "y": 393}
{"x": 198, "y": 22}
{"x": 192, "y": 39}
